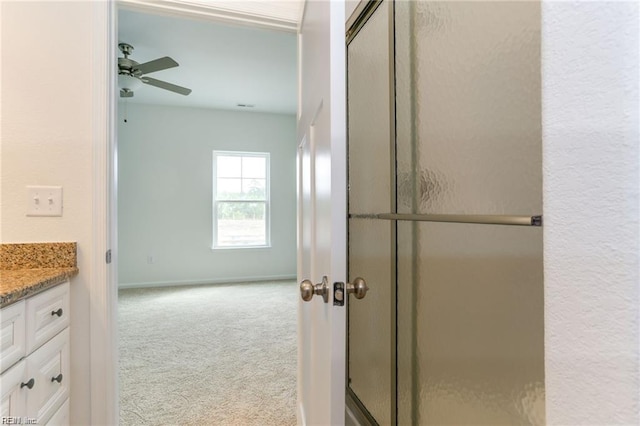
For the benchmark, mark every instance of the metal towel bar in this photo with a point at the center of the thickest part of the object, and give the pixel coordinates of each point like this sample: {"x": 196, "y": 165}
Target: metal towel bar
{"x": 456, "y": 218}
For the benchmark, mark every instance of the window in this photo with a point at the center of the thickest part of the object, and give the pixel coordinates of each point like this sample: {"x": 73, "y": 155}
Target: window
{"x": 240, "y": 199}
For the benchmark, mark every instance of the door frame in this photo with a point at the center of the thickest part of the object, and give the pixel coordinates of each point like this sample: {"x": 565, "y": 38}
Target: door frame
{"x": 102, "y": 291}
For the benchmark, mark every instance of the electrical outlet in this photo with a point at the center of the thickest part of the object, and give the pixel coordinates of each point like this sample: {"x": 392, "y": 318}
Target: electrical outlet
{"x": 44, "y": 201}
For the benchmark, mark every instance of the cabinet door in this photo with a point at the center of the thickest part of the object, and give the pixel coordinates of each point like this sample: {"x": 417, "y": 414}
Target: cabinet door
{"x": 14, "y": 400}
{"x": 61, "y": 417}
{"x": 13, "y": 340}
{"x": 49, "y": 366}
{"x": 47, "y": 314}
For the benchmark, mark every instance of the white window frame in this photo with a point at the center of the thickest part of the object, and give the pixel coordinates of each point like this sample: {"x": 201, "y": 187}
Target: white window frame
{"x": 267, "y": 200}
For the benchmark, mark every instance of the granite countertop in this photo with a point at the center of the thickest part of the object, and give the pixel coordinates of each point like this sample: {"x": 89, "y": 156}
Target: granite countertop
{"x": 29, "y": 268}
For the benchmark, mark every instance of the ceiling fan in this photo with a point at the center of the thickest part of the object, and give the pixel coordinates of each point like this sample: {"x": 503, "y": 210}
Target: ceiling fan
{"x": 131, "y": 75}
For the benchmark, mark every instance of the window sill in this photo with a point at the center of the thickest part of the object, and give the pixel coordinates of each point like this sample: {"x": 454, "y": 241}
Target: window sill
{"x": 240, "y": 248}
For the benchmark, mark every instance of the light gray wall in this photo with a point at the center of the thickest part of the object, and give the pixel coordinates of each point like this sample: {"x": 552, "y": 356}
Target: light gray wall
{"x": 164, "y": 194}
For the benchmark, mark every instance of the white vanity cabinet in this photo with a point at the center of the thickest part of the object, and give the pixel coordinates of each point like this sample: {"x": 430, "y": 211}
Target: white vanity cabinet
{"x": 13, "y": 334}
{"x": 36, "y": 374}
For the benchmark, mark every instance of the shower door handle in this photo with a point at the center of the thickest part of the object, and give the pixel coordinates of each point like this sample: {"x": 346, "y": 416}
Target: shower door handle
{"x": 358, "y": 288}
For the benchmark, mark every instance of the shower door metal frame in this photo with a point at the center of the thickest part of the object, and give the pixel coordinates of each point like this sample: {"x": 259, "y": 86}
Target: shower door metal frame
{"x": 352, "y": 30}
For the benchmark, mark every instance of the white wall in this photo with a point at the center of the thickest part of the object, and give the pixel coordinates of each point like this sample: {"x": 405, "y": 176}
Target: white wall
{"x": 591, "y": 211}
{"x": 164, "y": 194}
{"x": 46, "y": 139}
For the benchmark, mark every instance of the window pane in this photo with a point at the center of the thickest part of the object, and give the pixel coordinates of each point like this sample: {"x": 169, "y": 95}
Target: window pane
{"x": 254, "y": 189}
{"x": 241, "y": 189}
{"x": 229, "y": 166}
{"x": 229, "y": 189}
{"x": 241, "y": 224}
{"x": 254, "y": 167}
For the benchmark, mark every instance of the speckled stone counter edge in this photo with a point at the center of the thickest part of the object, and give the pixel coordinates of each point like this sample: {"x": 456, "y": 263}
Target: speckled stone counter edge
{"x": 29, "y": 268}
{"x": 37, "y": 255}
{"x": 21, "y": 283}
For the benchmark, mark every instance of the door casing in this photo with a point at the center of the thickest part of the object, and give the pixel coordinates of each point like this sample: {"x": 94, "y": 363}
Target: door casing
{"x": 104, "y": 286}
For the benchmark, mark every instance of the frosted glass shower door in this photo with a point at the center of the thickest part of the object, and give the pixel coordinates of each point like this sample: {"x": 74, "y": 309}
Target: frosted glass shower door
{"x": 469, "y": 191}
{"x": 468, "y": 105}
{"x": 470, "y": 324}
{"x": 445, "y": 204}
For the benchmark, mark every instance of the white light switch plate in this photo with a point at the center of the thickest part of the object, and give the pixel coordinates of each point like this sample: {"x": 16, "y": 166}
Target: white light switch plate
{"x": 44, "y": 201}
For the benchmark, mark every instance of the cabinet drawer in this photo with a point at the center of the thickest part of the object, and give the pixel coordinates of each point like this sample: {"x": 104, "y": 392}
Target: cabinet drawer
{"x": 12, "y": 335}
{"x": 50, "y": 368}
{"x": 46, "y": 314}
{"x": 61, "y": 417}
{"x": 14, "y": 397}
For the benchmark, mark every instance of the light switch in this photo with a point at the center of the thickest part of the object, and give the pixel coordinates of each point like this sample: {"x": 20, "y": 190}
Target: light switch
{"x": 44, "y": 201}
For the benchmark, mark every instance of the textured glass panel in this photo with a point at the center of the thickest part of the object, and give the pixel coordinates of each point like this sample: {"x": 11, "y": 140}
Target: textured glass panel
{"x": 471, "y": 298}
{"x": 406, "y": 160}
{"x": 369, "y": 117}
{"x": 407, "y": 264}
{"x": 370, "y": 320}
{"x": 469, "y": 107}
{"x": 406, "y": 149}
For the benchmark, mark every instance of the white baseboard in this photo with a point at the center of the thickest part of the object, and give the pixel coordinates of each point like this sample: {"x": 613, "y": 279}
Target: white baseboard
{"x": 207, "y": 281}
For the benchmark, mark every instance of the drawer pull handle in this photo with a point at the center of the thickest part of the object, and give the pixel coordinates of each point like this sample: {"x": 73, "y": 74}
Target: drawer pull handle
{"x": 29, "y": 384}
{"x": 57, "y": 379}
{"x": 58, "y": 312}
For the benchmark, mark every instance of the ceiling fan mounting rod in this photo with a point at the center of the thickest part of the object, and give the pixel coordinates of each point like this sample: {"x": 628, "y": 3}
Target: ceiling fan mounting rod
{"x": 125, "y": 48}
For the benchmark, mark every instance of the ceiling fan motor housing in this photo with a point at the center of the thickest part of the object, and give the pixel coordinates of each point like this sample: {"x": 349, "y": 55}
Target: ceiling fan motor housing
{"x": 127, "y": 66}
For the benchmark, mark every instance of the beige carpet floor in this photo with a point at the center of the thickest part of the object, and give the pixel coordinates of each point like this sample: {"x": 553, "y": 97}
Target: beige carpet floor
{"x": 208, "y": 355}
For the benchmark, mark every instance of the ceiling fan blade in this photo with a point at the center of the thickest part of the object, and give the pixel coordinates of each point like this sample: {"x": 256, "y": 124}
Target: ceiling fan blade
{"x": 126, "y": 93}
{"x": 167, "y": 86}
{"x": 155, "y": 65}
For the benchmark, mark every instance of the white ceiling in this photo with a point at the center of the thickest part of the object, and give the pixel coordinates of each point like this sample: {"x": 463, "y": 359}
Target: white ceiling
{"x": 224, "y": 64}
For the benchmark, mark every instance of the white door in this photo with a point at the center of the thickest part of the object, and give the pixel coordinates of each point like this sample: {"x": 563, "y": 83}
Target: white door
{"x": 322, "y": 212}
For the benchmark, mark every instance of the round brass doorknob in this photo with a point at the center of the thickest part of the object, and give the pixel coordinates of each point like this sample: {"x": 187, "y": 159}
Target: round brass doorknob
{"x": 358, "y": 288}
{"x": 306, "y": 290}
